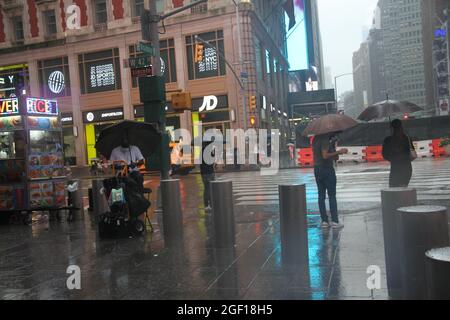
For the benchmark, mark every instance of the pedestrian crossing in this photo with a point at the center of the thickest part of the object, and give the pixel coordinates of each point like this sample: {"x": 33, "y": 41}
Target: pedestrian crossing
{"x": 356, "y": 183}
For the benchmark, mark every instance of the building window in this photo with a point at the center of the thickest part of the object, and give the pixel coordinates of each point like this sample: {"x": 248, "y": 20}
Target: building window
{"x": 138, "y": 7}
{"x": 168, "y": 63}
{"x": 18, "y": 28}
{"x": 54, "y": 77}
{"x": 99, "y": 71}
{"x": 269, "y": 73}
{"x": 101, "y": 13}
{"x": 50, "y": 22}
{"x": 160, "y": 6}
{"x": 212, "y": 64}
{"x": 13, "y": 80}
{"x": 259, "y": 60}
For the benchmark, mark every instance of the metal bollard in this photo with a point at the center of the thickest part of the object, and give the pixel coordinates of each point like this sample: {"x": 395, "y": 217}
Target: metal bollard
{"x": 223, "y": 213}
{"x": 391, "y": 200}
{"x": 172, "y": 216}
{"x": 421, "y": 228}
{"x": 438, "y": 273}
{"x": 99, "y": 201}
{"x": 76, "y": 200}
{"x": 293, "y": 225}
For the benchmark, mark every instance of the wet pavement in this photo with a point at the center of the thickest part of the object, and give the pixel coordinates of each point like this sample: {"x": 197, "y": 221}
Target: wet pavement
{"x": 34, "y": 258}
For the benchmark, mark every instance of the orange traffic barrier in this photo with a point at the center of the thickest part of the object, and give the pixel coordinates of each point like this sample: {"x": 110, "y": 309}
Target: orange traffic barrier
{"x": 305, "y": 157}
{"x": 436, "y": 149}
{"x": 373, "y": 154}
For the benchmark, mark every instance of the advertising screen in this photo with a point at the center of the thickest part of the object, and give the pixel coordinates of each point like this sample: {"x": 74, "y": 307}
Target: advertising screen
{"x": 297, "y": 37}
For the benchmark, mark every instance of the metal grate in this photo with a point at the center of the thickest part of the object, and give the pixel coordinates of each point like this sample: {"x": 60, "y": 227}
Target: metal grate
{"x": 200, "y": 8}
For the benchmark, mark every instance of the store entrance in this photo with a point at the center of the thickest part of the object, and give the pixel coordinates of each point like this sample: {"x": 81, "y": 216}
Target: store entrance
{"x": 92, "y": 132}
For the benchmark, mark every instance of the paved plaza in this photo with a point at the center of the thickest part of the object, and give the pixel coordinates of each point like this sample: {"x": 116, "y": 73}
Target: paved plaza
{"x": 34, "y": 258}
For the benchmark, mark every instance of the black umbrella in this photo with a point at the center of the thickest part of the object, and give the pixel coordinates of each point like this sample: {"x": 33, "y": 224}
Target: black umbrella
{"x": 387, "y": 109}
{"x": 140, "y": 134}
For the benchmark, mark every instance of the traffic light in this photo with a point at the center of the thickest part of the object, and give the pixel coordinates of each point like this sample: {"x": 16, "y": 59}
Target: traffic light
{"x": 198, "y": 52}
{"x": 252, "y": 102}
{"x": 252, "y": 121}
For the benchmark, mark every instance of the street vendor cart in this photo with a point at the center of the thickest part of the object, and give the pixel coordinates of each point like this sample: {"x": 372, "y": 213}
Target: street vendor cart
{"x": 32, "y": 175}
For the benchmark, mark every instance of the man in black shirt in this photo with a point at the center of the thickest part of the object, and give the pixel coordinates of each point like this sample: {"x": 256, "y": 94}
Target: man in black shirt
{"x": 324, "y": 152}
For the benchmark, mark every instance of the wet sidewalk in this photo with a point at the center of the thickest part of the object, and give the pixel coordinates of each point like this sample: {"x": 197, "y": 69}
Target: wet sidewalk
{"x": 34, "y": 259}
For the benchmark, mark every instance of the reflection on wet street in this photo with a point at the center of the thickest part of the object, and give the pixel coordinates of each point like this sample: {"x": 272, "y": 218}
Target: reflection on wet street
{"x": 34, "y": 259}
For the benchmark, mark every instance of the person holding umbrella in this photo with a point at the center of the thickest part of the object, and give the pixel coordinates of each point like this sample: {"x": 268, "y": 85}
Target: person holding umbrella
{"x": 399, "y": 150}
{"x": 325, "y": 153}
{"x": 325, "y": 130}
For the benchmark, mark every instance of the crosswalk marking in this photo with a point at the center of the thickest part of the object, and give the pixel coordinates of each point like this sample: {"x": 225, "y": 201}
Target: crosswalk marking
{"x": 355, "y": 184}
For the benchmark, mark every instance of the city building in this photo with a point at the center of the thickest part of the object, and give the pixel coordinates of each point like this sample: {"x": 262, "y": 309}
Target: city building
{"x": 404, "y": 60}
{"x": 361, "y": 78}
{"x": 45, "y": 53}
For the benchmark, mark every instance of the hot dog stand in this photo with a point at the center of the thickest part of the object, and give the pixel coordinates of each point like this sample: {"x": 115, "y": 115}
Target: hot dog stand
{"x": 32, "y": 175}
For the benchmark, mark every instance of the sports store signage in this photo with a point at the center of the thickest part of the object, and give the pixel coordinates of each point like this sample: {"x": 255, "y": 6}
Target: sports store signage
{"x": 103, "y": 115}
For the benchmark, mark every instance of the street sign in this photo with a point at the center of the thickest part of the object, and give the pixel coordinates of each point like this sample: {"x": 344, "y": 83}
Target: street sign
{"x": 142, "y": 72}
{"x": 139, "y": 62}
{"x": 146, "y": 48}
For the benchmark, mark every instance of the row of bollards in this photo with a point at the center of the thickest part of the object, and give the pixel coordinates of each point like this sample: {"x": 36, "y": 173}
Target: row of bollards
{"x": 410, "y": 231}
{"x": 293, "y": 220}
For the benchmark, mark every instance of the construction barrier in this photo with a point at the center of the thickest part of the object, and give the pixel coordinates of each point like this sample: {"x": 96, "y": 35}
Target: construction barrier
{"x": 436, "y": 149}
{"x": 305, "y": 157}
{"x": 423, "y": 149}
{"x": 355, "y": 154}
{"x": 373, "y": 154}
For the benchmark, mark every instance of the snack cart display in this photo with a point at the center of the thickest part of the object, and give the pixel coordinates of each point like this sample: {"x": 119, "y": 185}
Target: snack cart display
{"x": 31, "y": 156}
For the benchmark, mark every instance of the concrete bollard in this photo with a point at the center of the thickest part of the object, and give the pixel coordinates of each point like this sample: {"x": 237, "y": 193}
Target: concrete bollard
{"x": 223, "y": 213}
{"x": 421, "y": 228}
{"x": 99, "y": 201}
{"x": 293, "y": 225}
{"x": 391, "y": 200}
{"x": 75, "y": 200}
{"x": 171, "y": 211}
{"x": 437, "y": 266}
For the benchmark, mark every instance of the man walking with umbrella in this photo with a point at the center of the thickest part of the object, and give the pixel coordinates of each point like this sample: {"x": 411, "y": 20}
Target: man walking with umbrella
{"x": 324, "y": 130}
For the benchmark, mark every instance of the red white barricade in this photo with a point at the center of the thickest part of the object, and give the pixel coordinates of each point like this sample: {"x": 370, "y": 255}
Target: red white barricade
{"x": 305, "y": 157}
{"x": 423, "y": 149}
{"x": 355, "y": 154}
{"x": 436, "y": 149}
{"x": 373, "y": 154}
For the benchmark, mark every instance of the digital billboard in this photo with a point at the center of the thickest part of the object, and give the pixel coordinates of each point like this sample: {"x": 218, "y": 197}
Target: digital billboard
{"x": 297, "y": 41}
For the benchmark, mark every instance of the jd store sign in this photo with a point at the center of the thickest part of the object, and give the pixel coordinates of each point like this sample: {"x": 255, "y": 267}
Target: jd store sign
{"x": 209, "y": 103}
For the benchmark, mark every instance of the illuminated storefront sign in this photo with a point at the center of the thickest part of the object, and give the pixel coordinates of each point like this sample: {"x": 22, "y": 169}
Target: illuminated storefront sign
{"x": 102, "y": 75}
{"x": 9, "y": 106}
{"x": 42, "y": 106}
{"x": 56, "y": 82}
{"x": 209, "y": 103}
{"x": 103, "y": 115}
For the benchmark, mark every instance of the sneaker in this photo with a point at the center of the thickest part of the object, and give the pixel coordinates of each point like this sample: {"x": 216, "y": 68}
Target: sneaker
{"x": 324, "y": 224}
{"x": 337, "y": 225}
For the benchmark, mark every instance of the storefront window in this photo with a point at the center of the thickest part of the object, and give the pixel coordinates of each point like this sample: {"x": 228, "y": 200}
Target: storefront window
{"x": 168, "y": 63}
{"x": 54, "y": 77}
{"x": 99, "y": 71}
{"x": 212, "y": 64}
{"x": 13, "y": 79}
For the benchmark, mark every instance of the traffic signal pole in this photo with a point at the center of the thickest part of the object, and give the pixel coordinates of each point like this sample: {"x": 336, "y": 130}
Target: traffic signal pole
{"x": 152, "y": 89}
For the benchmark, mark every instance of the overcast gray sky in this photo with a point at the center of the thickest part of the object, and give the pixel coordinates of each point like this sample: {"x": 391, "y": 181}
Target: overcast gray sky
{"x": 341, "y": 26}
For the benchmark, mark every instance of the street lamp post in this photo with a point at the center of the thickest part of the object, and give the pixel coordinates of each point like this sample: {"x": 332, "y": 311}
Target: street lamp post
{"x": 335, "y": 85}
